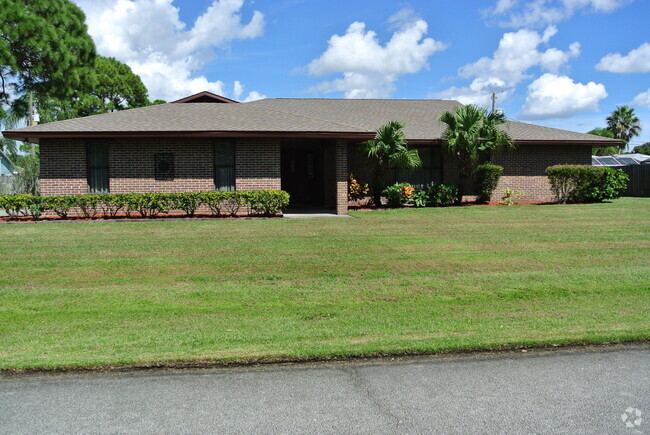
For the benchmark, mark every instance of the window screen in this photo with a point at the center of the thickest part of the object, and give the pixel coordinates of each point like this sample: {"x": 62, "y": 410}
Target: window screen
{"x": 97, "y": 164}
{"x": 429, "y": 172}
{"x": 224, "y": 165}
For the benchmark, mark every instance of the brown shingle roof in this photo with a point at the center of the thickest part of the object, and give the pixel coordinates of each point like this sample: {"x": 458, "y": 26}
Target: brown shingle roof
{"x": 354, "y": 118}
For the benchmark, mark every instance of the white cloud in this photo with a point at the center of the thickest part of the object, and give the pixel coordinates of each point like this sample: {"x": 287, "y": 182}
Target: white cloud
{"x": 370, "y": 69}
{"x": 149, "y": 36}
{"x": 253, "y": 96}
{"x": 552, "y": 96}
{"x": 643, "y": 99}
{"x": 517, "y": 53}
{"x": 539, "y": 13}
{"x": 636, "y": 61}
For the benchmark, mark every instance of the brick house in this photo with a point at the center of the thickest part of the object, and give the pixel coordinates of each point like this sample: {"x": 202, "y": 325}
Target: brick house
{"x": 304, "y": 146}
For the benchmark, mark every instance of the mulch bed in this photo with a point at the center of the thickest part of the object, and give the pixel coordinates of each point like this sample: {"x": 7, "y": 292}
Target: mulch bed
{"x": 124, "y": 218}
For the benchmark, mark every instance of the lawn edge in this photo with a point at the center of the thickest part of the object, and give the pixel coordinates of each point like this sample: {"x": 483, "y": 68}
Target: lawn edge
{"x": 244, "y": 362}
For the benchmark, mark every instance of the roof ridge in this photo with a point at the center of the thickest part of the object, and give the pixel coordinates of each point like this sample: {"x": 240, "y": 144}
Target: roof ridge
{"x": 355, "y": 99}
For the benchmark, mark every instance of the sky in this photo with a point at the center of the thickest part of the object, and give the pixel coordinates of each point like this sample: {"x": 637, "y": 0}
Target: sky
{"x": 560, "y": 63}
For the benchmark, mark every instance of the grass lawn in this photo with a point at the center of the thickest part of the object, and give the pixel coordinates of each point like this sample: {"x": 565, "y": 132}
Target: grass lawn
{"x": 402, "y": 281}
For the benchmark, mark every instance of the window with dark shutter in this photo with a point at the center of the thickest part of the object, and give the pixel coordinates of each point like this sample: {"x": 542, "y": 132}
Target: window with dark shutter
{"x": 429, "y": 172}
{"x": 224, "y": 165}
{"x": 164, "y": 166}
{"x": 97, "y": 165}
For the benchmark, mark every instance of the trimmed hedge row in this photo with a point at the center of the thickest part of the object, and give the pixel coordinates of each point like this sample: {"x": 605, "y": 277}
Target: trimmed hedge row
{"x": 258, "y": 202}
{"x": 584, "y": 184}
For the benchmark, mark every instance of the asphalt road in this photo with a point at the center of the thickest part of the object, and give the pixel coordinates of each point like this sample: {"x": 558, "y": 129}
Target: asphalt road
{"x": 563, "y": 391}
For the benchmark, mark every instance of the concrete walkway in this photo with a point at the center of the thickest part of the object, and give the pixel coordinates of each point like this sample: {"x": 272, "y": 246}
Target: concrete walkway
{"x": 600, "y": 390}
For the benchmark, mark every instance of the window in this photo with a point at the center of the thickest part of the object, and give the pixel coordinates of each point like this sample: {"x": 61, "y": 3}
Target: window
{"x": 224, "y": 165}
{"x": 164, "y": 166}
{"x": 97, "y": 167}
{"x": 429, "y": 172}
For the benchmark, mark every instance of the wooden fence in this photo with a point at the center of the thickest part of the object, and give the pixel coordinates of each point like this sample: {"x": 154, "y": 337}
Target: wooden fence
{"x": 639, "y": 184}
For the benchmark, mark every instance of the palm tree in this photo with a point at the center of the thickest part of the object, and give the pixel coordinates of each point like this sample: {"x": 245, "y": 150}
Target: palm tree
{"x": 603, "y": 151}
{"x": 472, "y": 136}
{"x": 624, "y": 123}
{"x": 389, "y": 148}
{"x": 8, "y": 121}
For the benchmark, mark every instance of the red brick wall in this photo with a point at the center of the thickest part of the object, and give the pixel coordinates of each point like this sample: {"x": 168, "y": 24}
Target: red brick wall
{"x": 63, "y": 165}
{"x": 257, "y": 164}
{"x": 524, "y": 168}
{"x": 341, "y": 175}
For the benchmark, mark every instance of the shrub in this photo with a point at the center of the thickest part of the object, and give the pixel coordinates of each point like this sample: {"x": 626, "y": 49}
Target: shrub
{"x": 186, "y": 201}
{"x": 487, "y": 177}
{"x": 110, "y": 205}
{"x": 267, "y": 202}
{"x": 36, "y": 206}
{"x": 419, "y": 198}
{"x": 441, "y": 195}
{"x": 398, "y": 194}
{"x": 214, "y": 200}
{"x": 357, "y": 191}
{"x": 16, "y": 205}
{"x": 510, "y": 196}
{"x": 88, "y": 204}
{"x": 60, "y": 205}
{"x": 147, "y": 204}
{"x": 584, "y": 184}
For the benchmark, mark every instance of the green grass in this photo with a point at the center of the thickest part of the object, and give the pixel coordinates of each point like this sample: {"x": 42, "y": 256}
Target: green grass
{"x": 402, "y": 281}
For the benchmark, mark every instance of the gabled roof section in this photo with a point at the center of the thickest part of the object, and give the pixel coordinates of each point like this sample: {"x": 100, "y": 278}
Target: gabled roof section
{"x": 205, "y": 97}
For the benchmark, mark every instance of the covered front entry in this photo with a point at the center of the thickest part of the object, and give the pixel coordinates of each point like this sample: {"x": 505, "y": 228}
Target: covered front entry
{"x": 303, "y": 173}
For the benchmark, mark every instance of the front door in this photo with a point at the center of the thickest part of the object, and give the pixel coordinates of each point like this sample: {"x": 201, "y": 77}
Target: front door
{"x": 302, "y": 173}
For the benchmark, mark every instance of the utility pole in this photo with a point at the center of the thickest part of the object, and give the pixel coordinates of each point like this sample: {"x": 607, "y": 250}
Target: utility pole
{"x": 494, "y": 101}
{"x": 30, "y": 120}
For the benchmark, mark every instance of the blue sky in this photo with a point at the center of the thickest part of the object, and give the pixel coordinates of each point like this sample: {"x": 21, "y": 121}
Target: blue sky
{"x": 561, "y": 63}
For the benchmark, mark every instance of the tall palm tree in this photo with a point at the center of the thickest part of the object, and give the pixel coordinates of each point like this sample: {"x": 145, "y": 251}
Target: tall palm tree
{"x": 389, "y": 148}
{"x": 624, "y": 123}
{"x": 471, "y": 137}
{"x": 603, "y": 151}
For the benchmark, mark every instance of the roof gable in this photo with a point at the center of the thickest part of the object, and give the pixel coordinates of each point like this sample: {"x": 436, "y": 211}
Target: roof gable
{"x": 205, "y": 97}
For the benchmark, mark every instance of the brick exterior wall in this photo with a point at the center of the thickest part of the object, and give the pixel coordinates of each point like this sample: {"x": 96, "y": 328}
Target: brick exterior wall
{"x": 63, "y": 165}
{"x": 524, "y": 168}
{"x": 341, "y": 176}
{"x": 257, "y": 164}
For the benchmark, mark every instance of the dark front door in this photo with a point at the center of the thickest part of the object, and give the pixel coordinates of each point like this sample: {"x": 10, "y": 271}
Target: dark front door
{"x": 302, "y": 173}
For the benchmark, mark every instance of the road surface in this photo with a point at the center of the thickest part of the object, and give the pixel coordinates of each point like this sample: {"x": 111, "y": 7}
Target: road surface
{"x": 589, "y": 390}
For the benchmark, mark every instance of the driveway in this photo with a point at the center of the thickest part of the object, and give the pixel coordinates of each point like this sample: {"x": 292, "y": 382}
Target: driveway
{"x": 588, "y": 390}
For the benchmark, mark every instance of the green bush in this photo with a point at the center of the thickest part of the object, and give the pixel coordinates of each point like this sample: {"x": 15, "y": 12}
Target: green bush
{"x": 441, "y": 195}
{"x": 586, "y": 184}
{"x": 111, "y": 205}
{"x": 88, "y": 204}
{"x": 17, "y": 204}
{"x": 398, "y": 194}
{"x": 419, "y": 198}
{"x": 60, "y": 205}
{"x": 36, "y": 206}
{"x": 186, "y": 201}
{"x": 266, "y": 202}
{"x": 487, "y": 177}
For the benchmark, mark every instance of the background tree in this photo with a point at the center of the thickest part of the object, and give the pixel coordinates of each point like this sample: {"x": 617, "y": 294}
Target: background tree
{"x": 44, "y": 48}
{"x": 114, "y": 87}
{"x": 472, "y": 136}
{"x": 389, "y": 148}
{"x": 642, "y": 149}
{"x": 624, "y": 123}
{"x": 603, "y": 151}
